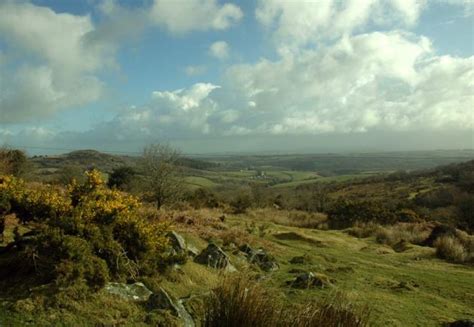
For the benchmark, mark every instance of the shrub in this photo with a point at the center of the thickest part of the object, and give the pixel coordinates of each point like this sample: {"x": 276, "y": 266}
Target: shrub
{"x": 203, "y": 198}
{"x": 344, "y": 214}
{"x": 69, "y": 173}
{"x": 451, "y": 249}
{"x": 241, "y": 203}
{"x": 121, "y": 177}
{"x": 86, "y": 234}
{"x": 13, "y": 162}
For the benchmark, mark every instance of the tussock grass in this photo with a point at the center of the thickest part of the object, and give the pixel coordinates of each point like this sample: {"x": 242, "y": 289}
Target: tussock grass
{"x": 454, "y": 249}
{"x": 240, "y": 301}
{"x": 414, "y": 233}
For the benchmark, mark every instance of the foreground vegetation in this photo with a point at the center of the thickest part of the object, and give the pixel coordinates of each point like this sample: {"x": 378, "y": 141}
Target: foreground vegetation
{"x": 365, "y": 252}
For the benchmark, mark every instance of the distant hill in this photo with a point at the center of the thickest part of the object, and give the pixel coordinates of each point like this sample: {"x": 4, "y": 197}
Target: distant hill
{"x": 103, "y": 161}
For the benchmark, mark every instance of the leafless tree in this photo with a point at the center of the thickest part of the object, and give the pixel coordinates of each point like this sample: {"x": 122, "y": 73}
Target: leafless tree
{"x": 163, "y": 174}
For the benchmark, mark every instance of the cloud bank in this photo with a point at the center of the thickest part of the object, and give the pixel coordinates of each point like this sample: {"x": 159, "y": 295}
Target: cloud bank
{"x": 333, "y": 73}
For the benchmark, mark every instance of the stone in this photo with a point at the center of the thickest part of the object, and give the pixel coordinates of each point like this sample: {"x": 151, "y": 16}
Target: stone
{"x": 137, "y": 292}
{"x": 310, "y": 280}
{"x": 177, "y": 242}
{"x": 265, "y": 261}
{"x": 162, "y": 301}
{"x": 213, "y": 256}
{"x": 246, "y": 249}
{"x": 192, "y": 251}
{"x": 260, "y": 257}
{"x": 462, "y": 323}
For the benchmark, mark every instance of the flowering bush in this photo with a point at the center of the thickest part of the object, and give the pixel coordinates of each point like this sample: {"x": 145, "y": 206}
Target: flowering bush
{"x": 84, "y": 228}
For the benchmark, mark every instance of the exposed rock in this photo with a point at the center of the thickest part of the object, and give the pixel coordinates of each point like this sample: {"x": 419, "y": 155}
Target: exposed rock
{"x": 177, "y": 242}
{"x": 310, "y": 280}
{"x": 260, "y": 257}
{"x": 132, "y": 292}
{"x": 162, "y": 300}
{"x": 462, "y": 323}
{"x": 192, "y": 251}
{"x": 437, "y": 232}
{"x": 213, "y": 256}
{"x": 246, "y": 249}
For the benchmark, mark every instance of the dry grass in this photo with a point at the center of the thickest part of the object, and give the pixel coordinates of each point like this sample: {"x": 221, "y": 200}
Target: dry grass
{"x": 414, "y": 233}
{"x": 292, "y": 218}
{"x": 333, "y": 311}
{"x": 454, "y": 249}
{"x": 240, "y": 302}
{"x": 363, "y": 230}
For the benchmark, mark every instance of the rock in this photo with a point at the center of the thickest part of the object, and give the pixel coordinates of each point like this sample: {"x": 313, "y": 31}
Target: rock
{"x": 132, "y": 292}
{"x": 310, "y": 280}
{"x": 162, "y": 300}
{"x": 246, "y": 249}
{"x": 437, "y": 232}
{"x": 192, "y": 251}
{"x": 265, "y": 261}
{"x": 177, "y": 242}
{"x": 462, "y": 323}
{"x": 260, "y": 257}
{"x": 213, "y": 256}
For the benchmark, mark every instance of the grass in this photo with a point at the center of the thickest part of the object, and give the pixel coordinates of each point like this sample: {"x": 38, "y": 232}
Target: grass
{"x": 239, "y": 301}
{"x": 197, "y": 181}
{"x": 410, "y": 288}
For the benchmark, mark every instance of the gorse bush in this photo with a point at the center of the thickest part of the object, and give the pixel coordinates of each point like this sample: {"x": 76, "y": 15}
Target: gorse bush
{"x": 85, "y": 234}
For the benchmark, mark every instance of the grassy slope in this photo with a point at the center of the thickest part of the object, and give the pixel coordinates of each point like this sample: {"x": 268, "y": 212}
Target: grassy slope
{"x": 445, "y": 291}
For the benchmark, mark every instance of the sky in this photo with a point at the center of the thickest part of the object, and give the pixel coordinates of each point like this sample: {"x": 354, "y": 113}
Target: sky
{"x": 211, "y": 76}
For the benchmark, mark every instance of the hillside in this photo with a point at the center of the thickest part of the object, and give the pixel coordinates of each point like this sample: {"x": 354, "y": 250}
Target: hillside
{"x": 409, "y": 288}
{"x": 382, "y": 250}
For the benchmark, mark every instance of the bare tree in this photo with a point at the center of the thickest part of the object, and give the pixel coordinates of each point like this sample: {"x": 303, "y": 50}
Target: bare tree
{"x": 163, "y": 176}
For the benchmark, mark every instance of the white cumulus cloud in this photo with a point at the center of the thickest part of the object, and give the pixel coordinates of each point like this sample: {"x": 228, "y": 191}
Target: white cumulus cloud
{"x": 185, "y": 16}
{"x": 57, "y": 67}
{"x": 219, "y": 50}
